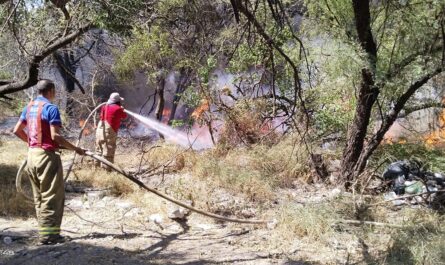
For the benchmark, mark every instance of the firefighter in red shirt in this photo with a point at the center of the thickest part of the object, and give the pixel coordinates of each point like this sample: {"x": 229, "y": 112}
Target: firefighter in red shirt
{"x": 111, "y": 116}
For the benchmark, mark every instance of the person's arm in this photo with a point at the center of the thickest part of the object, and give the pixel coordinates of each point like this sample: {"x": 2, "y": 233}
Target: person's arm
{"x": 56, "y": 137}
{"x": 123, "y": 113}
{"x": 19, "y": 131}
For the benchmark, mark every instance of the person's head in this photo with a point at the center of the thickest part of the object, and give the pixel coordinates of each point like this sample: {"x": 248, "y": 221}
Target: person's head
{"x": 115, "y": 98}
{"x": 47, "y": 89}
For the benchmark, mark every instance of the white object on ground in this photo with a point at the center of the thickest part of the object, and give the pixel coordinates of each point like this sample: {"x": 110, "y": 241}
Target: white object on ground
{"x": 178, "y": 213}
{"x": 156, "y": 218}
{"x": 272, "y": 224}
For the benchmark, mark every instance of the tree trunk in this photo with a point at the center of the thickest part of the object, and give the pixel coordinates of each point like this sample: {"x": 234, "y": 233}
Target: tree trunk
{"x": 161, "y": 100}
{"x": 180, "y": 88}
{"x": 67, "y": 70}
{"x": 367, "y": 95}
{"x": 357, "y": 132}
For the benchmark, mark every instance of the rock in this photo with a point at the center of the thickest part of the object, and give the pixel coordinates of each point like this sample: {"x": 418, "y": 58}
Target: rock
{"x": 123, "y": 205}
{"x": 178, "y": 213}
{"x": 69, "y": 188}
{"x": 272, "y": 224}
{"x": 335, "y": 193}
{"x": 75, "y": 203}
{"x": 7, "y": 240}
{"x": 205, "y": 226}
{"x": 248, "y": 213}
{"x": 97, "y": 194}
{"x": 156, "y": 218}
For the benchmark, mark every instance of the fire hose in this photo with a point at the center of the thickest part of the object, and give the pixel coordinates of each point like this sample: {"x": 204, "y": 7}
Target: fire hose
{"x": 21, "y": 172}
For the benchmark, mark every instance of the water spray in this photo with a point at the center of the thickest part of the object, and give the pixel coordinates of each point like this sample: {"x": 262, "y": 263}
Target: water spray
{"x": 170, "y": 134}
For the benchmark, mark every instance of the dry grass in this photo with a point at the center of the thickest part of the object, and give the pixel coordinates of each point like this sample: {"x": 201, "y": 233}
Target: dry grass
{"x": 100, "y": 178}
{"x": 256, "y": 171}
{"x": 12, "y": 204}
{"x": 420, "y": 242}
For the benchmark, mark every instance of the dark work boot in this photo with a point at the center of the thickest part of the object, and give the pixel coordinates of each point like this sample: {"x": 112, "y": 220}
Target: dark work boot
{"x": 52, "y": 240}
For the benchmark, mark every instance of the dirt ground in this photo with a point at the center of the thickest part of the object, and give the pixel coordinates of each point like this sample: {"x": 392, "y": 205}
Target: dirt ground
{"x": 111, "y": 230}
{"x": 134, "y": 228}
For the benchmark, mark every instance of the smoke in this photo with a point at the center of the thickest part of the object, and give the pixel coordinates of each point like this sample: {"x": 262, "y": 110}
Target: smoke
{"x": 193, "y": 141}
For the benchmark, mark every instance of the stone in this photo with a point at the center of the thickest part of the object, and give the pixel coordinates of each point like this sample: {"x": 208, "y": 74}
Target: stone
{"x": 7, "y": 240}
{"x": 69, "y": 188}
{"x": 272, "y": 224}
{"x": 97, "y": 194}
{"x": 156, "y": 218}
{"x": 123, "y": 205}
{"x": 178, "y": 213}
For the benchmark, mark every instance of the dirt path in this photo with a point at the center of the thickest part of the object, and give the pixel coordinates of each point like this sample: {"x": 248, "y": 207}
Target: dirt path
{"x": 111, "y": 230}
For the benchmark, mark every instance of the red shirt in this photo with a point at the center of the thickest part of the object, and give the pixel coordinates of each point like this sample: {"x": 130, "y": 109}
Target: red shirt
{"x": 113, "y": 114}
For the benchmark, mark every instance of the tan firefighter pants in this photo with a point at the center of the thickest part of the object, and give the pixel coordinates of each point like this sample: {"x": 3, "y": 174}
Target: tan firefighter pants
{"x": 46, "y": 175}
{"x": 105, "y": 141}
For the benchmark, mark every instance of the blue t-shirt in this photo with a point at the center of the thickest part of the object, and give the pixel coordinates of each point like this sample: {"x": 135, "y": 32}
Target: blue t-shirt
{"x": 50, "y": 112}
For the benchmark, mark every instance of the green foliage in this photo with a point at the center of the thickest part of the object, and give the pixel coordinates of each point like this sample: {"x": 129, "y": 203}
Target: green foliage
{"x": 177, "y": 123}
{"x": 119, "y": 16}
{"x": 147, "y": 51}
{"x": 401, "y": 29}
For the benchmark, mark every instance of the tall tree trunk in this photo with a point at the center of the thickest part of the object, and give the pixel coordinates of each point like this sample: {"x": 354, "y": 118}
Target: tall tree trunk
{"x": 67, "y": 68}
{"x": 161, "y": 100}
{"x": 180, "y": 88}
{"x": 367, "y": 95}
{"x": 357, "y": 132}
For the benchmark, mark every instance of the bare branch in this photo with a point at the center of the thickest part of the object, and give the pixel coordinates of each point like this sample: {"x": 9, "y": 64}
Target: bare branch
{"x": 427, "y": 105}
{"x": 33, "y": 66}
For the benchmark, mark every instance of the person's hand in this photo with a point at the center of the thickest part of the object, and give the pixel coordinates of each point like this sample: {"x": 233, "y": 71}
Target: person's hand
{"x": 80, "y": 151}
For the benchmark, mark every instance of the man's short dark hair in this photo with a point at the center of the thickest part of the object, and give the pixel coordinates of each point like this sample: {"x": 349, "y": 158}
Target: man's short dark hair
{"x": 45, "y": 85}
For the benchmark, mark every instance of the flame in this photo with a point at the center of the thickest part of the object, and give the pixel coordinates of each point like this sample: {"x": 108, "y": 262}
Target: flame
{"x": 438, "y": 136}
{"x": 165, "y": 115}
{"x": 166, "y": 112}
{"x": 266, "y": 127}
{"x": 388, "y": 140}
{"x": 86, "y": 131}
{"x": 197, "y": 113}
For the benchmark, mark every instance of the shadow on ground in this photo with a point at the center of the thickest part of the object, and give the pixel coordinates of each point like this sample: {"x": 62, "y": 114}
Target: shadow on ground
{"x": 78, "y": 252}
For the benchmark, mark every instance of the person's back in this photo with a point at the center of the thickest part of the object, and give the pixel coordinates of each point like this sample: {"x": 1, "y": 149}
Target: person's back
{"x": 41, "y": 119}
{"x": 111, "y": 116}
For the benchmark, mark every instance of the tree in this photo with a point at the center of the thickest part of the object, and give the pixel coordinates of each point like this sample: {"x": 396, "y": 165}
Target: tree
{"x": 401, "y": 45}
{"x": 39, "y": 29}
